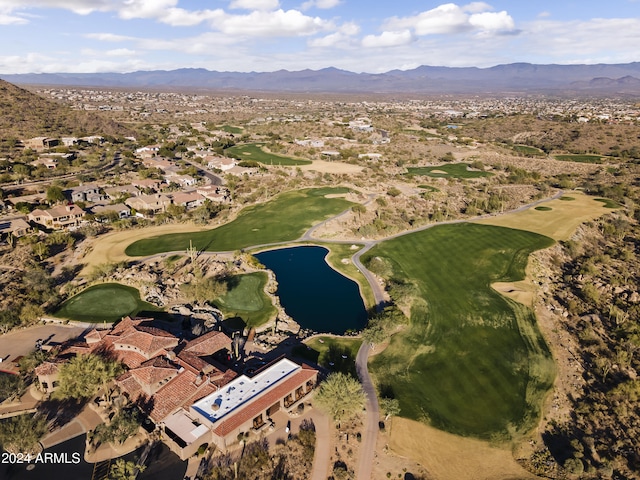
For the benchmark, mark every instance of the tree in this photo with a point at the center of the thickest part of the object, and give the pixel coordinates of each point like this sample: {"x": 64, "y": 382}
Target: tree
{"x": 122, "y": 469}
{"x": 341, "y": 396}
{"x": 84, "y": 375}
{"x": 389, "y": 406}
{"x": 122, "y": 426}
{"x": 55, "y": 194}
{"x": 21, "y": 434}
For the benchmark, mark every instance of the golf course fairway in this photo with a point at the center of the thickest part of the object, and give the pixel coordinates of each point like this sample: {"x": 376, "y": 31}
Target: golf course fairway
{"x": 284, "y": 218}
{"x": 471, "y": 361}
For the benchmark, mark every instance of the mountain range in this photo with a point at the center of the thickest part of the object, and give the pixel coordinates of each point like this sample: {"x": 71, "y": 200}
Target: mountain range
{"x": 598, "y": 79}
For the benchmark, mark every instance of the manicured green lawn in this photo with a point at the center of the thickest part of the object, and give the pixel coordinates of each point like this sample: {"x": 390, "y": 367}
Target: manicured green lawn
{"x": 471, "y": 361}
{"x": 231, "y": 129}
{"x": 253, "y": 151}
{"x": 330, "y": 352}
{"x": 608, "y": 203}
{"x": 580, "y": 158}
{"x": 448, "y": 170}
{"x": 527, "y": 150}
{"x": 284, "y": 218}
{"x": 542, "y": 208}
{"x": 106, "y": 302}
{"x": 246, "y": 299}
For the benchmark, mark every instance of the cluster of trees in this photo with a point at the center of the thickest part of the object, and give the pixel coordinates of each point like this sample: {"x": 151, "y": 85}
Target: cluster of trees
{"x": 290, "y": 461}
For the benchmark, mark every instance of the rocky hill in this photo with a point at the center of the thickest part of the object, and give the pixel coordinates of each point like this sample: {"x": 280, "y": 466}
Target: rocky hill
{"x": 24, "y": 114}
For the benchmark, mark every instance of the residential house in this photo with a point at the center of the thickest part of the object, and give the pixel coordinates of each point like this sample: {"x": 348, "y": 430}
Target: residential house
{"x": 16, "y": 226}
{"x": 188, "y": 199}
{"x": 147, "y": 183}
{"x": 62, "y": 216}
{"x": 222, "y": 163}
{"x": 40, "y": 144}
{"x": 153, "y": 203}
{"x": 122, "y": 210}
{"x": 47, "y": 162}
{"x": 122, "y": 190}
{"x": 243, "y": 405}
{"x": 85, "y": 193}
{"x": 214, "y": 193}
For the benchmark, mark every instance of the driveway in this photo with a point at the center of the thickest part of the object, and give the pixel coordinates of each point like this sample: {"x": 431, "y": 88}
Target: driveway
{"x": 22, "y": 342}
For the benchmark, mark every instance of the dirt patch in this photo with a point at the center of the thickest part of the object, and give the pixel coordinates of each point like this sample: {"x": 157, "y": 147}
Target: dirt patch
{"x": 323, "y": 166}
{"x": 522, "y": 291}
{"x": 450, "y": 457}
{"x": 110, "y": 248}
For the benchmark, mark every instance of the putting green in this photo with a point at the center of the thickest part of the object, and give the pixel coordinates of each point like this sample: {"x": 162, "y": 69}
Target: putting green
{"x": 106, "y": 302}
{"x": 472, "y": 361}
{"x": 246, "y": 299}
{"x": 284, "y": 218}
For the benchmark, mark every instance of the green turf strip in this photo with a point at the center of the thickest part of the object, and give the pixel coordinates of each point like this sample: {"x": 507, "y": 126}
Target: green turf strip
{"x": 105, "y": 302}
{"x": 284, "y": 218}
{"x": 451, "y": 170}
{"x": 254, "y": 151}
{"x": 472, "y": 361}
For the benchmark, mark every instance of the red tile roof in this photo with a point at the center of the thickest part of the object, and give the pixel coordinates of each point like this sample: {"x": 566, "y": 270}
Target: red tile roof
{"x": 245, "y": 413}
{"x": 46, "y": 368}
{"x": 208, "y": 344}
{"x": 179, "y": 391}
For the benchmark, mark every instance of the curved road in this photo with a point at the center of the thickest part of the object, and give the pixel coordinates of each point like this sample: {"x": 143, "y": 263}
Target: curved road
{"x": 368, "y": 446}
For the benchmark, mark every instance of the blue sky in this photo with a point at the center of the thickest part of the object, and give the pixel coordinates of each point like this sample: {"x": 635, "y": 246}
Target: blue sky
{"x": 266, "y": 35}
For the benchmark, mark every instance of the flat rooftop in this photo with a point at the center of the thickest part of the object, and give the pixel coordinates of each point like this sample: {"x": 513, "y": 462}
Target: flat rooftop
{"x": 242, "y": 390}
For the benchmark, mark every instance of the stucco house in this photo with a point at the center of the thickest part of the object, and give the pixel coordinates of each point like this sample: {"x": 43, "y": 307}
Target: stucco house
{"x": 62, "y": 216}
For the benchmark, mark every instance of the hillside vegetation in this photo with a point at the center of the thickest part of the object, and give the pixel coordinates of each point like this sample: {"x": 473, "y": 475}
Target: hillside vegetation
{"x": 25, "y": 115}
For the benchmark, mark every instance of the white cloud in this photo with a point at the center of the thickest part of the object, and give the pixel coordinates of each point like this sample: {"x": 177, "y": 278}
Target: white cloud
{"x": 447, "y": 18}
{"x": 321, "y": 4}
{"x": 278, "y": 23}
{"x": 12, "y": 20}
{"x": 606, "y": 40}
{"x": 255, "y": 4}
{"x": 477, "y": 7}
{"x": 450, "y": 18}
{"x": 388, "y": 39}
{"x": 108, "y": 37}
{"x": 493, "y": 22}
{"x": 120, "y": 52}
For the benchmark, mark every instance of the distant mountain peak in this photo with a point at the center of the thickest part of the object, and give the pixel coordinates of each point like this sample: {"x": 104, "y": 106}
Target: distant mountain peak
{"x": 513, "y": 78}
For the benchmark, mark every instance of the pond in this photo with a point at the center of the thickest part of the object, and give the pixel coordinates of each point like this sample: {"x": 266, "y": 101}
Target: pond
{"x": 314, "y": 294}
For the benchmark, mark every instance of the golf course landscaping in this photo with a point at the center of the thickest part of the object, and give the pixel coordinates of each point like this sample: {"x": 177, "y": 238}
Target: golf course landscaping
{"x": 107, "y": 302}
{"x": 282, "y": 219}
{"x": 245, "y": 298}
{"x": 448, "y": 170}
{"x": 254, "y": 151}
{"x": 471, "y": 361}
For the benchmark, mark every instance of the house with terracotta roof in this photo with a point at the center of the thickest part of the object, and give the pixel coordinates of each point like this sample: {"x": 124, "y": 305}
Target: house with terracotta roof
{"x": 242, "y": 405}
{"x": 191, "y": 397}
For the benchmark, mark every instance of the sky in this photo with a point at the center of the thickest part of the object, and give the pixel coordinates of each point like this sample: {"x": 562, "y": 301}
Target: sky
{"x": 90, "y": 36}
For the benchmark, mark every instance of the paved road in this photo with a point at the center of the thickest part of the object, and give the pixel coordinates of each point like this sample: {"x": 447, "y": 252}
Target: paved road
{"x": 368, "y": 446}
{"x": 22, "y": 342}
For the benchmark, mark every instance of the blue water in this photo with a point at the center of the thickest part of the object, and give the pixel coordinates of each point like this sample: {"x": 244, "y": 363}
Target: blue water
{"x": 314, "y": 294}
